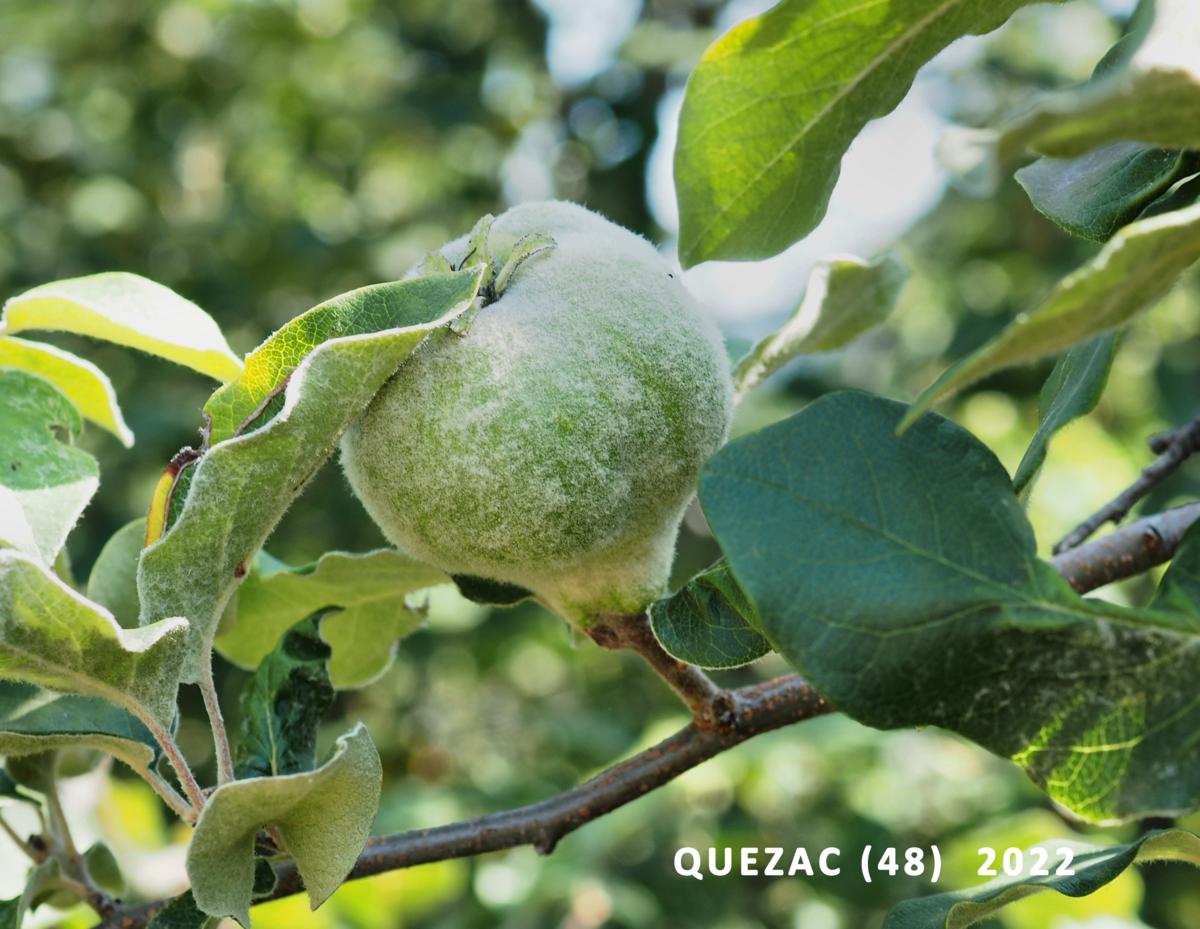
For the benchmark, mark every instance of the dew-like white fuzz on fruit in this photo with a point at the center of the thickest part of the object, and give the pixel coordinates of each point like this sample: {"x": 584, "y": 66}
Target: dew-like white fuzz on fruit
{"x": 555, "y": 444}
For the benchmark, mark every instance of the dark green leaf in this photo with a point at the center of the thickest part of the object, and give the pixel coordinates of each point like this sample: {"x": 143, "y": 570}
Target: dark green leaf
{"x": 282, "y": 705}
{"x": 775, "y": 103}
{"x": 1136, "y": 268}
{"x": 103, "y": 869}
{"x": 488, "y": 592}
{"x": 710, "y": 622}
{"x": 182, "y": 913}
{"x": 1072, "y": 390}
{"x": 1096, "y": 194}
{"x": 1092, "y": 867}
{"x": 900, "y": 575}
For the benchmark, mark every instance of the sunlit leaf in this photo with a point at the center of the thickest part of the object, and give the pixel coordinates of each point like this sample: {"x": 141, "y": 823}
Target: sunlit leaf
{"x": 1136, "y": 268}
{"x": 899, "y": 574}
{"x": 1092, "y": 869}
{"x": 242, "y": 486}
{"x": 323, "y": 818}
{"x": 128, "y": 310}
{"x": 775, "y": 103}
{"x": 53, "y": 637}
{"x": 45, "y": 482}
{"x": 1072, "y": 390}
{"x": 80, "y": 381}
{"x": 710, "y": 622}
{"x": 846, "y": 296}
{"x": 367, "y": 594}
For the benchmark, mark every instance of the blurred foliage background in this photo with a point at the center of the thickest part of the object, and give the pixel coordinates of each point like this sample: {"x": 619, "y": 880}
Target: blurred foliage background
{"x": 261, "y": 155}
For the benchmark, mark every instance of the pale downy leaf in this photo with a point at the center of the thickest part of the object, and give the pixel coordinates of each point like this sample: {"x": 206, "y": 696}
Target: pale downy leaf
{"x": 55, "y": 638}
{"x": 128, "y": 310}
{"x": 77, "y": 379}
{"x": 365, "y": 596}
{"x": 323, "y": 817}
{"x": 846, "y": 296}
{"x": 242, "y": 486}
{"x": 45, "y": 483}
{"x": 1136, "y": 268}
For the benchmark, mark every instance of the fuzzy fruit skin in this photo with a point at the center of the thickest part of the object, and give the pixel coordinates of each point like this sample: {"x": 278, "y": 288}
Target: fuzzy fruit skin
{"x": 557, "y": 443}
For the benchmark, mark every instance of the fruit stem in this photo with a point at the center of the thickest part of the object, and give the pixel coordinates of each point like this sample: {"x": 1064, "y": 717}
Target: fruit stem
{"x": 712, "y": 706}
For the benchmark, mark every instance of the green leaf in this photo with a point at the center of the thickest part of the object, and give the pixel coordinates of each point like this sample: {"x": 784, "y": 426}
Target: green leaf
{"x": 242, "y": 486}
{"x": 282, "y": 705}
{"x": 1093, "y": 868}
{"x": 33, "y": 720}
{"x": 1072, "y": 390}
{"x": 1096, "y": 194}
{"x": 323, "y": 818}
{"x": 775, "y": 103}
{"x": 846, "y": 296}
{"x": 113, "y": 581}
{"x": 45, "y": 483}
{"x": 128, "y": 310}
{"x": 900, "y": 575}
{"x": 1136, "y": 268}
{"x": 363, "y": 594}
{"x": 80, "y": 381}
{"x": 182, "y": 913}
{"x": 488, "y": 592}
{"x": 53, "y": 637}
{"x": 103, "y": 869}
{"x": 710, "y": 622}
{"x": 1147, "y": 90}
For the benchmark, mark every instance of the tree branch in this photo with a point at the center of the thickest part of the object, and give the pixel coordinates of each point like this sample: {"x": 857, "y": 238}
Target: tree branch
{"x": 1173, "y": 449}
{"x": 711, "y": 706}
{"x": 1128, "y": 551}
{"x": 754, "y": 710}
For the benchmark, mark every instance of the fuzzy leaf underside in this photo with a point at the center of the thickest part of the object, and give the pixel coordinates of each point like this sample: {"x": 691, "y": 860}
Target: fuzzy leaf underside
{"x": 1147, "y": 91}
{"x": 242, "y": 486}
{"x": 775, "y": 102}
{"x": 128, "y": 310}
{"x": 845, "y": 297}
{"x": 45, "y": 483}
{"x": 323, "y": 818}
{"x": 33, "y": 720}
{"x": 1094, "y": 195}
{"x": 1093, "y": 867}
{"x": 899, "y": 574}
{"x": 55, "y": 638}
{"x": 1072, "y": 390}
{"x": 86, "y": 386}
{"x": 282, "y": 705}
{"x": 1136, "y": 268}
{"x": 710, "y": 622}
{"x": 364, "y": 596}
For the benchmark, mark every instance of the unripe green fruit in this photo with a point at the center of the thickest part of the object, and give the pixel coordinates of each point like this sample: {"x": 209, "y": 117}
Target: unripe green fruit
{"x": 555, "y": 443}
